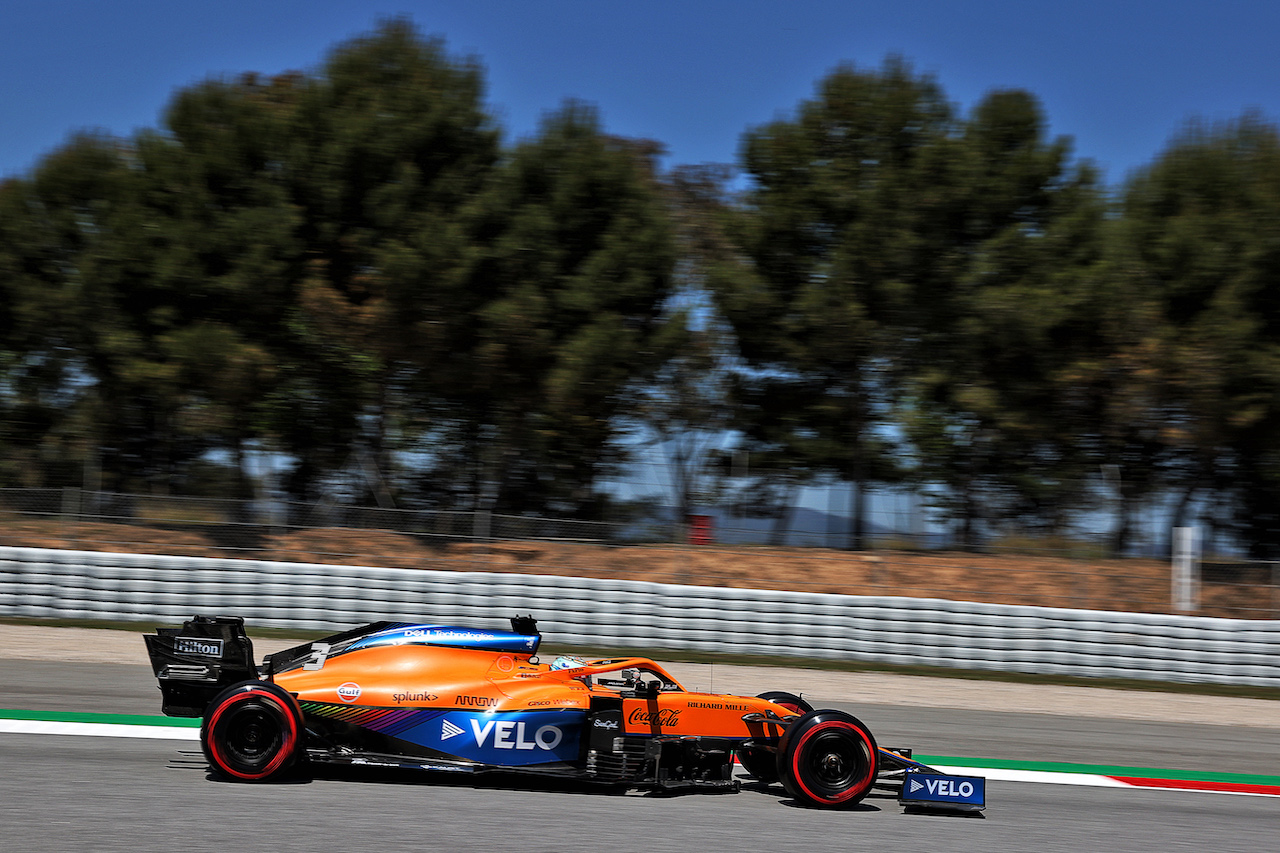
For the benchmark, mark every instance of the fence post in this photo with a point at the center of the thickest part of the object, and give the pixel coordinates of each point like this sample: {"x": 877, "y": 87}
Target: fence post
{"x": 1185, "y": 582}
{"x": 1275, "y": 590}
{"x": 70, "y": 514}
{"x": 481, "y": 532}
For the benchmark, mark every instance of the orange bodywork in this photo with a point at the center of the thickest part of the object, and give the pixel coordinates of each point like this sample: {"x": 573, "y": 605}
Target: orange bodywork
{"x": 448, "y": 699}
{"x": 428, "y": 676}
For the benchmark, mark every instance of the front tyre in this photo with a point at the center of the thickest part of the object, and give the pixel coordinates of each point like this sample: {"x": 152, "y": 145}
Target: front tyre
{"x": 828, "y": 759}
{"x": 763, "y": 763}
{"x": 252, "y": 732}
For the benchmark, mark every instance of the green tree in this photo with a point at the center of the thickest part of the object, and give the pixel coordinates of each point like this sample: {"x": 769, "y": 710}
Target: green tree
{"x": 570, "y": 270}
{"x": 999, "y": 322}
{"x": 829, "y": 243}
{"x": 70, "y": 245}
{"x": 387, "y": 145}
{"x": 38, "y": 446}
{"x": 683, "y": 414}
{"x": 270, "y": 269}
{"x": 220, "y": 235}
{"x": 1199, "y": 253}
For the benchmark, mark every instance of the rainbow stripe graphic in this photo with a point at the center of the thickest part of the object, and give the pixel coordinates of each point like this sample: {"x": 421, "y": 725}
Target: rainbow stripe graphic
{"x": 387, "y": 721}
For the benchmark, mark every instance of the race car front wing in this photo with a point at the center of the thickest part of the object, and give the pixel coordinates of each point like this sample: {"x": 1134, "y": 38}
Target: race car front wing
{"x": 924, "y": 788}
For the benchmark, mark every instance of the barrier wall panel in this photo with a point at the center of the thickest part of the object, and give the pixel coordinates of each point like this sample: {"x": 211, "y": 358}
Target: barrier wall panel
{"x": 603, "y": 612}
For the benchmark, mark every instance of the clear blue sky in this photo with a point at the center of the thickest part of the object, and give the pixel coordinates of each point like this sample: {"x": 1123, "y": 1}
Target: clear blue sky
{"x": 1120, "y": 77}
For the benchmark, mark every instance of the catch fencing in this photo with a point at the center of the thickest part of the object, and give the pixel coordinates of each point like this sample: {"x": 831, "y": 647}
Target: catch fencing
{"x": 1013, "y": 571}
{"x": 611, "y": 613}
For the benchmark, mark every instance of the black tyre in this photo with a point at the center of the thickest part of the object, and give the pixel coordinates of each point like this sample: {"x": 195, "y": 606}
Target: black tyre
{"x": 763, "y": 763}
{"x": 252, "y": 732}
{"x": 828, "y": 759}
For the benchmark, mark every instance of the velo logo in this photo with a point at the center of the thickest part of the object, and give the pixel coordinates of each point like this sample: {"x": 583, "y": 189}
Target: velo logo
{"x": 943, "y": 787}
{"x": 508, "y": 734}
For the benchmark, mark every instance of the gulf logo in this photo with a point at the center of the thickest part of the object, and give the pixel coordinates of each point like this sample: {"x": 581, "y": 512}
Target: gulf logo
{"x": 349, "y": 692}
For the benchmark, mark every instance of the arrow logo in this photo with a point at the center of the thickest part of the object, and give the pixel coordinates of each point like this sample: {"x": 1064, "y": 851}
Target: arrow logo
{"x": 449, "y": 730}
{"x": 915, "y": 786}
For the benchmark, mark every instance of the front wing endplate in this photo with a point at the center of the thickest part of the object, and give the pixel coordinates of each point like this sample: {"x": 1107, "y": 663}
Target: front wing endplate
{"x": 943, "y": 791}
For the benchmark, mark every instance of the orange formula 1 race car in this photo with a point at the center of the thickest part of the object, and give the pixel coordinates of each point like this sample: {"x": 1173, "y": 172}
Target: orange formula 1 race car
{"x": 442, "y": 698}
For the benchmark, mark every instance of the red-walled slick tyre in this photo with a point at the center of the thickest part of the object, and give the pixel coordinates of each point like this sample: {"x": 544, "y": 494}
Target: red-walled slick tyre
{"x": 252, "y": 732}
{"x": 763, "y": 763}
{"x": 828, "y": 759}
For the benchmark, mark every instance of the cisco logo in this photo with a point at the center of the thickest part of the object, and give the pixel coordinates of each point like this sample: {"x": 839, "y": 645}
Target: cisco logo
{"x": 349, "y": 692}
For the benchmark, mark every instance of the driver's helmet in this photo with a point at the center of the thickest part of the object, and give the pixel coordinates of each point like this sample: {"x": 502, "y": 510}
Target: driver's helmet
{"x": 567, "y": 662}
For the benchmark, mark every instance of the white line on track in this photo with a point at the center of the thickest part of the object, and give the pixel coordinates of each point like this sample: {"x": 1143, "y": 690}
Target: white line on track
{"x": 47, "y": 727}
{"x": 119, "y": 730}
{"x": 1088, "y": 779}
{"x": 1043, "y": 776}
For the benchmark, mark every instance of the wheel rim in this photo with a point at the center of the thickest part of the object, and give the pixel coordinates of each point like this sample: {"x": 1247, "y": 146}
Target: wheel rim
{"x": 253, "y": 735}
{"x": 250, "y": 735}
{"x": 833, "y": 763}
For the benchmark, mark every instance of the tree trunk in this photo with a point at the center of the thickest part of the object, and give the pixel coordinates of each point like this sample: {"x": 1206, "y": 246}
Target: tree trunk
{"x": 782, "y": 521}
{"x": 968, "y": 515}
{"x": 1123, "y": 528}
{"x": 858, "y": 516}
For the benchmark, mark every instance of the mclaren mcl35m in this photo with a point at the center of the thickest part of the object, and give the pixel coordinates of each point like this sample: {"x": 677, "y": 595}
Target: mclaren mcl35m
{"x": 461, "y": 700}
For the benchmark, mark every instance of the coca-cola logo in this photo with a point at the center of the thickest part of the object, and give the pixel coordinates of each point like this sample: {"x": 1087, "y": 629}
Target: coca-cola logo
{"x": 664, "y": 718}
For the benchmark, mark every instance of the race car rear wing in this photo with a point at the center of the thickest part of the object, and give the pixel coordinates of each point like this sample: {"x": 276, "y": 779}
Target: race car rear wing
{"x": 198, "y": 661}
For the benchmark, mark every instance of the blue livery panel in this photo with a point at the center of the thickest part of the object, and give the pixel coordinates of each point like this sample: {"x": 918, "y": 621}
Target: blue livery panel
{"x": 506, "y": 739}
{"x": 447, "y": 635}
{"x": 937, "y": 790}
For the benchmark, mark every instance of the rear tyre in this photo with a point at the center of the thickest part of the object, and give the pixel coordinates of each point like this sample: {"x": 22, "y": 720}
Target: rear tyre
{"x": 790, "y": 701}
{"x": 252, "y": 732}
{"x": 828, "y": 759}
{"x": 763, "y": 763}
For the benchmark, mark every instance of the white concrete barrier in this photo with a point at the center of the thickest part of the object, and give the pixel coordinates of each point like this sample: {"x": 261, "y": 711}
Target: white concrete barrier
{"x": 641, "y": 615}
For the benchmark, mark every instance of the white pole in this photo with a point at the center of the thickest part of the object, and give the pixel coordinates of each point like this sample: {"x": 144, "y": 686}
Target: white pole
{"x": 1185, "y": 586}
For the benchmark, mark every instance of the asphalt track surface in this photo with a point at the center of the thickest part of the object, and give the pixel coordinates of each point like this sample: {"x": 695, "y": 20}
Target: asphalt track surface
{"x": 100, "y": 794}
